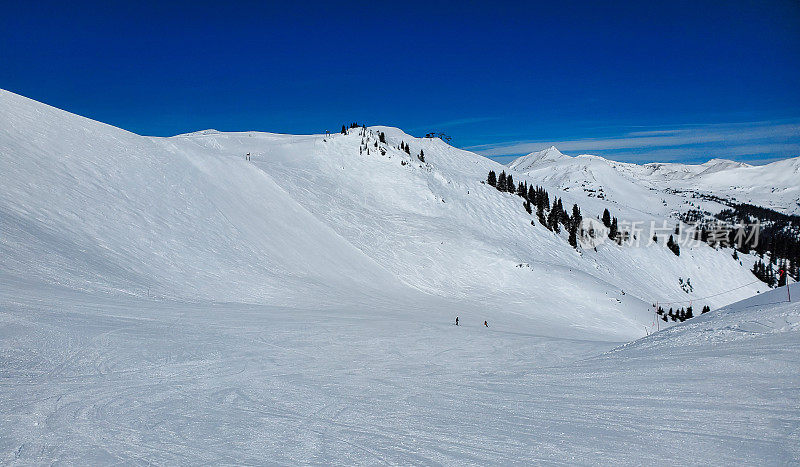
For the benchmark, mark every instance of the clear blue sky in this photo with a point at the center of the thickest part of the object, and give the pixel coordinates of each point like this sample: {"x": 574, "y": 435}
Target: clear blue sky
{"x": 636, "y": 81}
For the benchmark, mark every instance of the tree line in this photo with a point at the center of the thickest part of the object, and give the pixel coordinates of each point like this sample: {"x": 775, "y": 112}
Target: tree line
{"x": 553, "y": 216}
{"x": 679, "y": 315}
{"x": 773, "y": 236}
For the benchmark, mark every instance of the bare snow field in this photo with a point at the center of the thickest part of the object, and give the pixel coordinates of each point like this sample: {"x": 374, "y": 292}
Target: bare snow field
{"x": 167, "y": 301}
{"x": 95, "y": 380}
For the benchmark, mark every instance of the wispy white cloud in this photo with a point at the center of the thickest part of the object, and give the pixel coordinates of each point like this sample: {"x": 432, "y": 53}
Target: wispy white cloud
{"x": 739, "y": 140}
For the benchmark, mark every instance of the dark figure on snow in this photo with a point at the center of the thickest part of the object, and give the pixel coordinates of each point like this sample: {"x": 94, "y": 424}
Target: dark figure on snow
{"x": 486, "y": 324}
{"x": 456, "y": 320}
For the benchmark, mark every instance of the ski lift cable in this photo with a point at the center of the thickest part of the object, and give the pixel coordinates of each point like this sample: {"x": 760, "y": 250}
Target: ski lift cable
{"x": 709, "y": 296}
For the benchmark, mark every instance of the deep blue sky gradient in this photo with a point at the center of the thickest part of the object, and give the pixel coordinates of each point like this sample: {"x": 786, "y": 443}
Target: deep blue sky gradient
{"x": 501, "y": 78}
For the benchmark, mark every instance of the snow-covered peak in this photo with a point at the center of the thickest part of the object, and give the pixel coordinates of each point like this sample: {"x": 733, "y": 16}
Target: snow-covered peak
{"x": 717, "y": 165}
{"x": 529, "y": 161}
{"x": 727, "y": 163}
{"x": 209, "y": 131}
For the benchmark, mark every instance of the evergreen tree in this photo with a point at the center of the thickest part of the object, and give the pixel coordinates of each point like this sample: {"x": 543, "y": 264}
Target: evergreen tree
{"x": 577, "y": 218}
{"x": 782, "y": 268}
{"x": 674, "y": 247}
{"x": 553, "y": 218}
{"x": 573, "y": 235}
{"x": 492, "y": 179}
{"x": 706, "y": 309}
{"x": 344, "y": 130}
{"x": 561, "y": 214}
{"x": 510, "y": 184}
{"x": 689, "y": 312}
{"x": 545, "y": 199}
{"x": 606, "y": 218}
{"x": 759, "y": 270}
{"x": 771, "y": 280}
{"x": 501, "y": 181}
{"x": 613, "y": 231}
{"x": 540, "y": 215}
{"x": 421, "y": 156}
{"x": 381, "y": 136}
{"x": 765, "y": 273}
{"x": 527, "y": 205}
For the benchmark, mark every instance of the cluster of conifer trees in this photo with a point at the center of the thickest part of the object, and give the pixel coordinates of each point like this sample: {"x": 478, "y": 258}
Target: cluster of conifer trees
{"x": 352, "y": 125}
{"x": 673, "y": 246}
{"x": 611, "y": 223}
{"x": 776, "y": 240}
{"x": 679, "y": 315}
{"x": 406, "y": 148}
{"x": 773, "y": 276}
{"x": 552, "y": 216}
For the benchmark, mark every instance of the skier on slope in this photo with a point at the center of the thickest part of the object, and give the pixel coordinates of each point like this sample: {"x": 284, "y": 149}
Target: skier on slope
{"x": 456, "y": 320}
{"x": 486, "y": 324}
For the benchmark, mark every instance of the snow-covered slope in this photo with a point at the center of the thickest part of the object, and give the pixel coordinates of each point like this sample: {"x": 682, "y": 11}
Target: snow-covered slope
{"x": 677, "y": 171}
{"x": 93, "y": 207}
{"x": 90, "y": 378}
{"x": 772, "y": 185}
{"x": 315, "y": 218}
{"x": 167, "y": 300}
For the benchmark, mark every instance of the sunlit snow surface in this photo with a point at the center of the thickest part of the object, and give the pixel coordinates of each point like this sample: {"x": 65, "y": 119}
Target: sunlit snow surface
{"x": 93, "y": 379}
{"x": 772, "y": 185}
{"x": 163, "y": 300}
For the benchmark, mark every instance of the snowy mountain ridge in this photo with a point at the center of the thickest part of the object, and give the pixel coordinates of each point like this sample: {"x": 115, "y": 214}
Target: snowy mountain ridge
{"x": 344, "y": 217}
{"x": 772, "y": 185}
{"x": 176, "y": 301}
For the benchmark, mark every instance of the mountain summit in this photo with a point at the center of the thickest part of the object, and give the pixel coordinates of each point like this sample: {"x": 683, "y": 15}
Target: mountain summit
{"x": 551, "y": 154}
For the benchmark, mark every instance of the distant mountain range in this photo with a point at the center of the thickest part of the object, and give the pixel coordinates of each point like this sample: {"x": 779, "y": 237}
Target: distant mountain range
{"x": 775, "y": 185}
